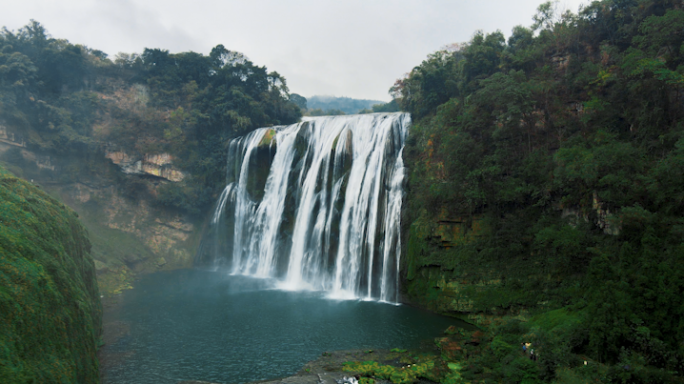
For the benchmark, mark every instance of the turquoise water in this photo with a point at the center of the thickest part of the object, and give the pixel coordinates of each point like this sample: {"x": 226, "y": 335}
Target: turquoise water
{"x": 201, "y": 325}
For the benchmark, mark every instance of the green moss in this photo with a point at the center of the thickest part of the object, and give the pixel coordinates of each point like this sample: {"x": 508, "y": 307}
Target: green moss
{"x": 415, "y": 249}
{"x": 268, "y": 139}
{"x": 558, "y": 320}
{"x": 457, "y": 267}
{"x": 405, "y": 375}
{"x": 50, "y": 312}
{"x": 334, "y": 145}
{"x": 260, "y": 165}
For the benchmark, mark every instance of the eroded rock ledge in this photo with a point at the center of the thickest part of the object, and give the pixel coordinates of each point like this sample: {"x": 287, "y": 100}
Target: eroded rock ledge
{"x": 159, "y": 165}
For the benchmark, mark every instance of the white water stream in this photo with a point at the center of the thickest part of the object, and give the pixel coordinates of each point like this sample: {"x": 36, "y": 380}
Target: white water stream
{"x": 317, "y": 205}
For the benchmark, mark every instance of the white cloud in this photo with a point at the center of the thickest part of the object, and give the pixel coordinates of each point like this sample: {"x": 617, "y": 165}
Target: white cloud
{"x": 354, "y": 48}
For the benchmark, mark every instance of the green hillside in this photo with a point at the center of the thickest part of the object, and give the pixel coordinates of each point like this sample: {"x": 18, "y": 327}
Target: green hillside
{"x": 50, "y": 311}
{"x": 546, "y": 174}
{"x": 75, "y": 103}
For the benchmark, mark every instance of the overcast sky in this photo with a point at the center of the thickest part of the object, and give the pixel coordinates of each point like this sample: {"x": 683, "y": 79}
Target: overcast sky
{"x": 354, "y": 48}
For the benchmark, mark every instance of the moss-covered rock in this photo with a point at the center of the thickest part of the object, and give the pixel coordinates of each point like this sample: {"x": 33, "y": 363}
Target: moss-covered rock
{"x": 50, "y": 311}
{"x": 434, "y": 277}
{"x": 269, "y": 138}
{"x": 260, "y": 164}
{"x": 344, "y": 155}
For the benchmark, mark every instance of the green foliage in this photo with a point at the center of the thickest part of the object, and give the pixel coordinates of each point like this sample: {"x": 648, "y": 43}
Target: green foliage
{"x": 392, "y": 106}
{"x": 185, "y": 195}
{"x": 501, "y": 348}
{"x": 327, "y": 112}
{"x": 298, "y": 100}
{"x": 59, "y": 98}
{"x": 405, "y": 375}
{"x": 50, "y": 310}
{"x": 545, "y": 172}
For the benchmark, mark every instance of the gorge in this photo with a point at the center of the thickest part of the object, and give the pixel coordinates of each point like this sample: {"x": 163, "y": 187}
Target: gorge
{"x": 537, "y": 194}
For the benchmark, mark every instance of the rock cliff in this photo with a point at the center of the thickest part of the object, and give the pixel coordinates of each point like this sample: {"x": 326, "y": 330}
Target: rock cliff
{"x": 115, "y": 188}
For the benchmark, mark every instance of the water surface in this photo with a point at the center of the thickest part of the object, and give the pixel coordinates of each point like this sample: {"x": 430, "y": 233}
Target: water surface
{"x": 202, "y": 325}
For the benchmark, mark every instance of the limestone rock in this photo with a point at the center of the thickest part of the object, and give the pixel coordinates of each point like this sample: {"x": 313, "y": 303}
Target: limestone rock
{"x": 160, "y": 165}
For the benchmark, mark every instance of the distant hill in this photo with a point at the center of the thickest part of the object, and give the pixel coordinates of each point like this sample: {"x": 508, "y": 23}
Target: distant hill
{"x": 344, "y": 104}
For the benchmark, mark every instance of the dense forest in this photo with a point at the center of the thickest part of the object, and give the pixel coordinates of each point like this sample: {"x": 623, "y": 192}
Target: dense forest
{"x": 556, "y": 160}
{"x": 65, "y": 99}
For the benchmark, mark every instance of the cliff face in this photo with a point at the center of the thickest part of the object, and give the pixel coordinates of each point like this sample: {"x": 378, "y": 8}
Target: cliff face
{"x": 130, "y": 235}
{"x": 50, "y": 311}
{"x": 115, "y": 188}
{"x": 160, "y": 165}
{"x": 429, "y": 276}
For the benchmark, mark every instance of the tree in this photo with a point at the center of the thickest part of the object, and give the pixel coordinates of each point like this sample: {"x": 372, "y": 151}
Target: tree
{"x": 298, "y": 100}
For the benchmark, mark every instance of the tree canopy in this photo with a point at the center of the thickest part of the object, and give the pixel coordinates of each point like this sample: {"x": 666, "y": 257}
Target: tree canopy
{"x": 565, "y": 145}
{"x": 54, "y": 95}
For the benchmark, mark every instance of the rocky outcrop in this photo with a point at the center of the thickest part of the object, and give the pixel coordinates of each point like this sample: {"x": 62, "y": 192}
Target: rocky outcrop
{"x": 433, "y": 283}
{"x": 599, "y": 213}
{"x": 269, "y": 138}
{"x": 50, "y": 311}
{"x": 130, "y": 236}
{"x": 343, "y": 151}
{"x": 10, "y": 138}
{"x": 159, "y": 165}
{"x": 260, "y": 164}
{"x": 10, "y": 142}
{"x": 131, "y": 233}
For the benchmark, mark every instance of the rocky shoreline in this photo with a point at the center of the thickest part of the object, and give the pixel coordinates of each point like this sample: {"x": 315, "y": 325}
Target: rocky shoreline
{"x": 327, "y": 369}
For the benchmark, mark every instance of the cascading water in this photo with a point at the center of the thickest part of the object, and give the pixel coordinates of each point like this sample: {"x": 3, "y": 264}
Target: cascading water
{"x": 316, "y": 205}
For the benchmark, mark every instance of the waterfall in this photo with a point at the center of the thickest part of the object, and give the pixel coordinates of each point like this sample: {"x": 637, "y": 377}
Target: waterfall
{"x": 316, "y": 205}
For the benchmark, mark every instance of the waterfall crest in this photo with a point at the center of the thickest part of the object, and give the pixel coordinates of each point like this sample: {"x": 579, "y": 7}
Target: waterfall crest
{"x": 316, "y": 205}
